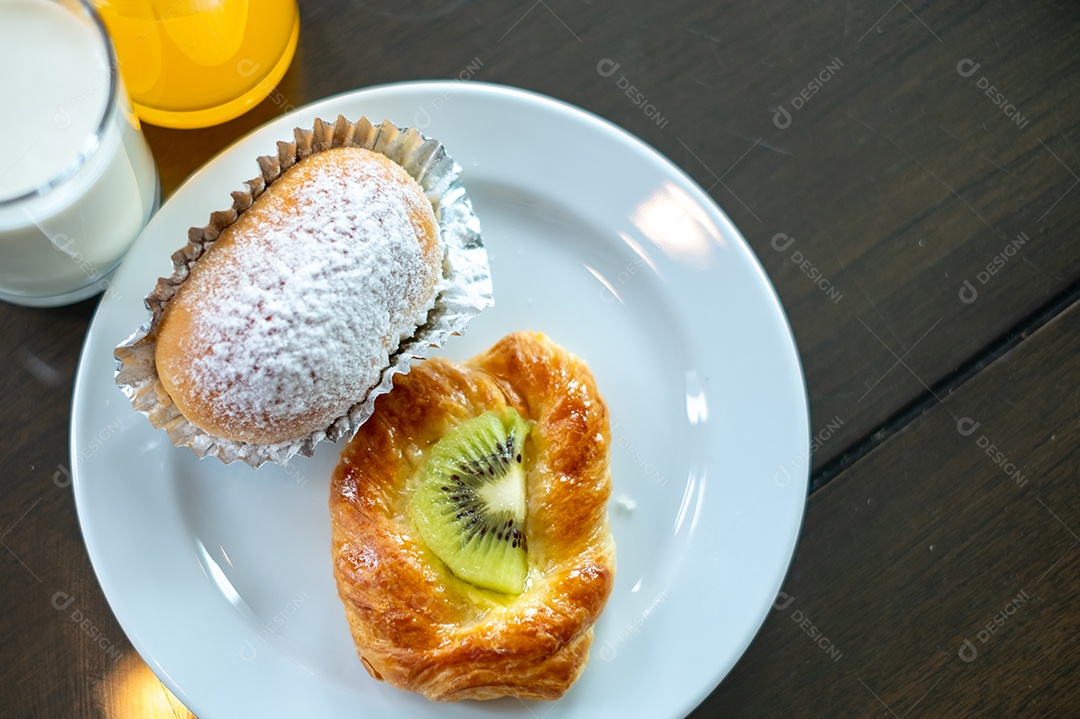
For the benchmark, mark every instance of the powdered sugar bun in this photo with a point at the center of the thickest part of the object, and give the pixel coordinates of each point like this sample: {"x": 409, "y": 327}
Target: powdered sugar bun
{"x": 288, "y": 314}
{"x": 293, "y": 313}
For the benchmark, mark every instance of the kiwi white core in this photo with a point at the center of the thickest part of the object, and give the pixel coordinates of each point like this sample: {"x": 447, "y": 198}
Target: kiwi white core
{"x": 469, "y": 504}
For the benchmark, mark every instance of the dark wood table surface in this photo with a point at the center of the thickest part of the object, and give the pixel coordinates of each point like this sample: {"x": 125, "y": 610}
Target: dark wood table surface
{"x": 905, "y": 171}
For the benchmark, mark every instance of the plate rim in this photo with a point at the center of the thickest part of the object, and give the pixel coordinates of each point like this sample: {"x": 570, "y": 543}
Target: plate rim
{"x": 564, "y": 108}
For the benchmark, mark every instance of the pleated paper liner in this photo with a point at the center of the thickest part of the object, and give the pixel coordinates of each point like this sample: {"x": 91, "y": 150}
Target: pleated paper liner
{"x": 464, "y": 291}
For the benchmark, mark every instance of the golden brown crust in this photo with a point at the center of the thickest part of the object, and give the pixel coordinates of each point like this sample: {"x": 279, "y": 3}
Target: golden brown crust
{"x": 178, "y": 345}
{"x": 415, "y": 624}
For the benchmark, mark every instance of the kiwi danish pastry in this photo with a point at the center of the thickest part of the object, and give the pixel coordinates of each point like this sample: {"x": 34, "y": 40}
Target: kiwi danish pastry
{"x": 470, "y": 537}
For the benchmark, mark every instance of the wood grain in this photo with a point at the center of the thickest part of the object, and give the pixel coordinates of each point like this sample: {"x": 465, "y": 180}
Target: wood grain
{"x": 896, "y": 181}
{"x": 60, "y": 637}
{"x": 939, "y": 573}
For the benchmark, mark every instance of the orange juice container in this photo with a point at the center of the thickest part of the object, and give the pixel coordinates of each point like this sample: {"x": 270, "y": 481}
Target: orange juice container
{"x": 194, "y": 63}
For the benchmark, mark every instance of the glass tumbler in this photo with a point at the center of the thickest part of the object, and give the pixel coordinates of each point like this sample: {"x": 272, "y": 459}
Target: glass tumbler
{"x": 77, "y": 181}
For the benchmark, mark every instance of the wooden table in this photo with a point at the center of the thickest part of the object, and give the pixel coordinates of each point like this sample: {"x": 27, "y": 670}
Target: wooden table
{"x": 905, "y": 171}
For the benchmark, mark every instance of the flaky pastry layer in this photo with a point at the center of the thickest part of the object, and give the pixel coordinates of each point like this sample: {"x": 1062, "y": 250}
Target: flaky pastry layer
{"x": 415, "y": 624}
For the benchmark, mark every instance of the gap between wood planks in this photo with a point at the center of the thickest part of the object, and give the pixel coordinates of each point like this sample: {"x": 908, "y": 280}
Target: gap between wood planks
{"x": 951, "y": 382}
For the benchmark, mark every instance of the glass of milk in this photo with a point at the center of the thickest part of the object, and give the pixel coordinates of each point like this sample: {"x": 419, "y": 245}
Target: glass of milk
{"x": 77, "y": 181}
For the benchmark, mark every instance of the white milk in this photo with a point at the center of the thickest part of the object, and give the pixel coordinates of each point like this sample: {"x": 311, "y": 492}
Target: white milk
{"x": 60, "y": 244}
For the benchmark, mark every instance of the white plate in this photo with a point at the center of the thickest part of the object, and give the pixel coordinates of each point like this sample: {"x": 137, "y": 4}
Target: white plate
{"x": 221, "y": 575}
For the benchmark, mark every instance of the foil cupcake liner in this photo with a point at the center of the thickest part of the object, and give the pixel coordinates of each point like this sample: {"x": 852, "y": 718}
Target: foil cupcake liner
{"x": 464, "y": 291}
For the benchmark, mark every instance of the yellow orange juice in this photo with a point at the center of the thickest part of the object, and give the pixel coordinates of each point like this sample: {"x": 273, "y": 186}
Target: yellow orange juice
{"x": 193, "y": 63}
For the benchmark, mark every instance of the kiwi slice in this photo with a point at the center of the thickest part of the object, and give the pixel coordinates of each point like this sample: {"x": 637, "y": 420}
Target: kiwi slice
{"x": 469, "y": 506}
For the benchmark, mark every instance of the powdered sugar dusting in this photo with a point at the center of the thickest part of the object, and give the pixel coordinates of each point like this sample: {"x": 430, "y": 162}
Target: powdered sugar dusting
{"x": 464, "y": 289}
{"x": 309, "y": 327}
